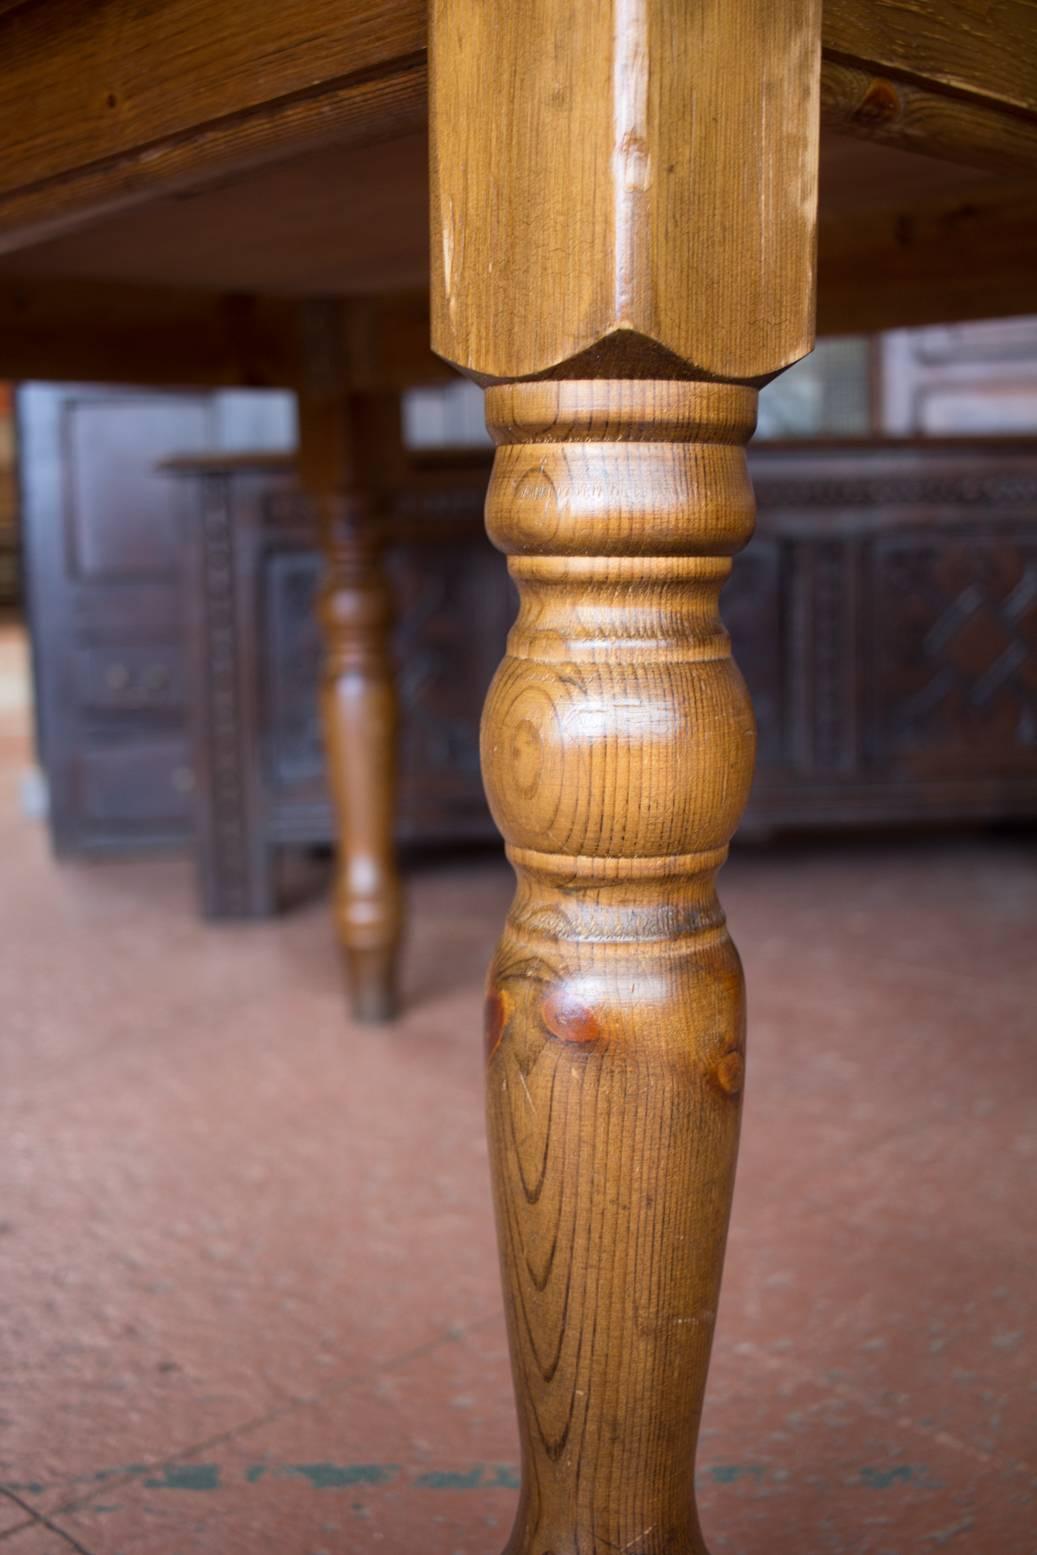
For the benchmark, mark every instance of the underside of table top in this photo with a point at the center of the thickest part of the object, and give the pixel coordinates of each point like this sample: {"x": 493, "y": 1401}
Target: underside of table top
{"x": 190, "y": 165}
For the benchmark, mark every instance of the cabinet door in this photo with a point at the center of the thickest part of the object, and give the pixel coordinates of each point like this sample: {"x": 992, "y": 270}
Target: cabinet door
{"x": 104, "y": 607}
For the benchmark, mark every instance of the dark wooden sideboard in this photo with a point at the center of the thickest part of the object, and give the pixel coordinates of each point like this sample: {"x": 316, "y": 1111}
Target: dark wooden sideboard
{"x": 251, "y": 570}
{"x": 103, "y": 589}
{"x": 885, "y": 617}
{"x": 103, "y": 594}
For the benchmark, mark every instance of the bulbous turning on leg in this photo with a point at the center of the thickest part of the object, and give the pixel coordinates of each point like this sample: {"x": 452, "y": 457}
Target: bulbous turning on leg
{"x": 617, "y": 751}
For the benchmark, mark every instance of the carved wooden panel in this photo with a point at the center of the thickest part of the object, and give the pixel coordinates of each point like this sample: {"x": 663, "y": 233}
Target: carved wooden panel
{"x": 953, "y": 682}
{"x": 451, "y": 604}
{"x": 104, "y": 602}
{"x": 884, "y": 617}
{"x": 453, "y": 610}
{"x": 119, "y": 514}
{"x": 290, "y": 582}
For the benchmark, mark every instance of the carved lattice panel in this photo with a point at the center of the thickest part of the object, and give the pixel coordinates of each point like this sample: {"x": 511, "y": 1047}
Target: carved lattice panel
{"x": 954, "y": 673}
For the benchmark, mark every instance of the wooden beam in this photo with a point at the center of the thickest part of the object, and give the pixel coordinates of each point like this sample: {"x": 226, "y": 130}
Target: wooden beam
{"x": 964, "y": 47}
{"x": 919, "y": 118}
{"x": 105, "y": 106}
{"x": 97, "y": 331}
{"x": 111, "y": 333}
{"x": 970, "y": 256}
{"x": 942, "y": 77}
{"x": 623, "y": 199}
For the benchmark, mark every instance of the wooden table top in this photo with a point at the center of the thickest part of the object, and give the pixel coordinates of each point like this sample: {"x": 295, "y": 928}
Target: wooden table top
{"x": 196, "y": 165}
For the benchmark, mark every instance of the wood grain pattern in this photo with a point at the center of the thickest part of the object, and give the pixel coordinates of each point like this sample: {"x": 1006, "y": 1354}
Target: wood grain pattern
{"x": 175, "y": 99}
{"x": 670, "y": 162}
{"x": 623, "y": 202}
{"x": 215, "y": 157}
{"x": 968, "y": 255}
{"x": 965, "y": 46}
{"x": 110, "y": 332}
{"x": 617, "y": 754}
{"x": 104, "y": 100}
{"x": 349, "y": 447}
{"x": 341, "y": 220}
{"x": 969, "y": 131}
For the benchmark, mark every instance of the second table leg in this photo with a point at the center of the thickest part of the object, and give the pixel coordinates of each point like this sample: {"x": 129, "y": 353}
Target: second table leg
{"x": 340, "y": 437}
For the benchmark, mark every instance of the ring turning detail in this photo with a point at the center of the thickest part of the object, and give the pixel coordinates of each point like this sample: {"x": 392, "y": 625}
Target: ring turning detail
{"x": 617, "y": 753}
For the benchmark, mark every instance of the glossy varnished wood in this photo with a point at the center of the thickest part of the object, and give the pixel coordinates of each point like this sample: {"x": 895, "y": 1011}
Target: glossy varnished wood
{"x": 617, "y": 754}
{"x": 256, "y": 81}
{"x": 349, "y": 449}
{"x": 108, "y": 105}
{"x": 623, "y": 206}
{"x": 310, "y": 177}
{"x": 590, "y": 230}
{"x": 623, "y": 201}
{"x": 960, "y": 47}
{"x": 919, "y": 117}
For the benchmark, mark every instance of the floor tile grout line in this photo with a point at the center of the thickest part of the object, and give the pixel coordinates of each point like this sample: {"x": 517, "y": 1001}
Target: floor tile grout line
{"x": 39, "y": 1518}
{"x": 863, "y": 1399}
{"x": 18, "y": 1527}
{"x": 279, "y": 1412}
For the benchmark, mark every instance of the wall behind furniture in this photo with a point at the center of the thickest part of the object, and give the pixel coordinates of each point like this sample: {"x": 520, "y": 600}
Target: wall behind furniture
{"x": 959, "y": 379}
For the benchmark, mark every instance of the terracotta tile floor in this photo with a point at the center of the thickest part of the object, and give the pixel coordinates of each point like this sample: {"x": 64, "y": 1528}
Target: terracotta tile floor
{"x": 249, "y": 1290}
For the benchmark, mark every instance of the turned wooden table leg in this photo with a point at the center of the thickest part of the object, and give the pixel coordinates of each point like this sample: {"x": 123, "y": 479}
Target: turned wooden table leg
{"x": 359, "y": 713}
{"x": 622, "y": 241}
{"x": 344, "y": 440}
{"x": 617, "y": 747}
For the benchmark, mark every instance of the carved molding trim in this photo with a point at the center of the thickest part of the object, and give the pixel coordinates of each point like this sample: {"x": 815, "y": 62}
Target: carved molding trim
{"x": 896, "y": 490}
{"x": 228, "y": 881}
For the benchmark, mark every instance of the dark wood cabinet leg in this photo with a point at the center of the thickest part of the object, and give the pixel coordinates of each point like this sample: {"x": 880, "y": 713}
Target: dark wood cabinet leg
{"x": 234, "y": 859}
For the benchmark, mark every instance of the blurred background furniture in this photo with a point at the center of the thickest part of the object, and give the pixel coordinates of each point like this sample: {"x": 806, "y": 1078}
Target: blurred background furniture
{"x": 104, "y": 532}
{"x": 958, "y": 378}
{"x": 104, "y": 598}
{"x": 885, "y": 617}
{"x": 251, "y": 574}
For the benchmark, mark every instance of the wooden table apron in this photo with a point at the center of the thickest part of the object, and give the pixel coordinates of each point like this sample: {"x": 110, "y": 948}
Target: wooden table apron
{"x": 626, "y": 229}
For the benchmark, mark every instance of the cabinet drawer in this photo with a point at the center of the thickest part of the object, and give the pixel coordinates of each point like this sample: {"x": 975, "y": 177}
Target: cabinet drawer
{"x": 143, "y": 784}
{"x": 131, "y": 676}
